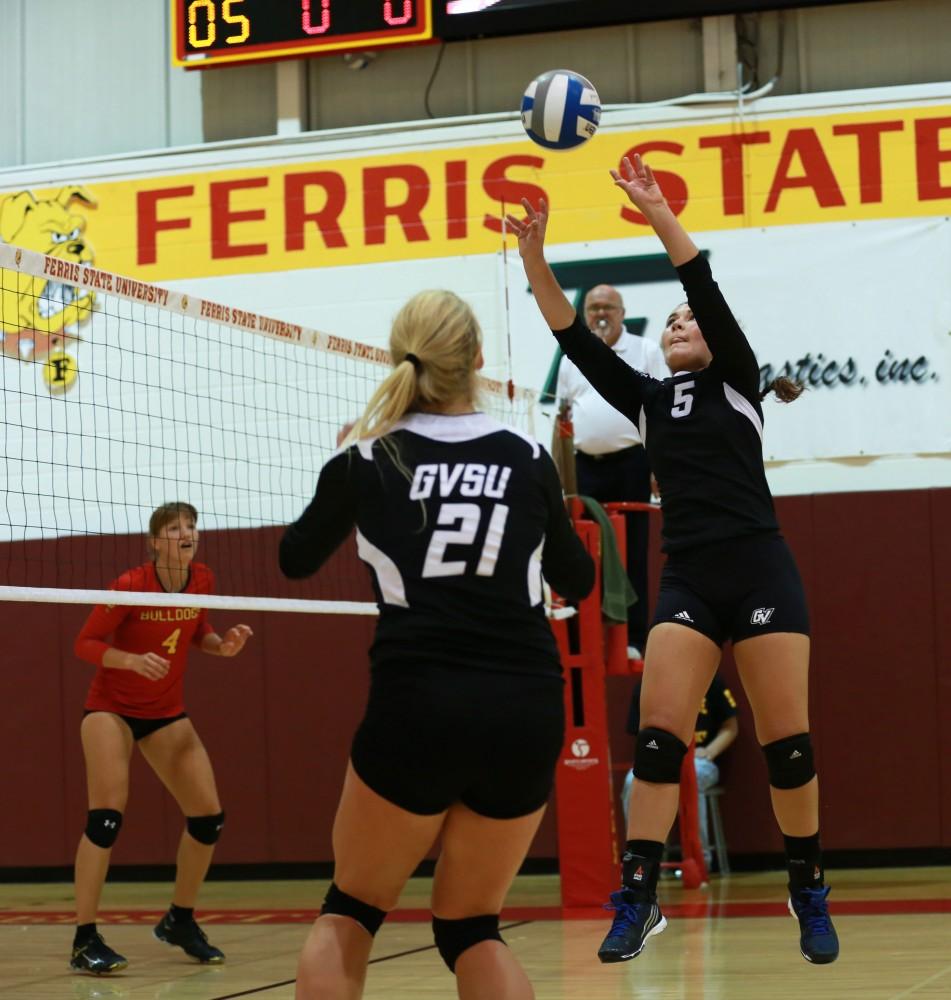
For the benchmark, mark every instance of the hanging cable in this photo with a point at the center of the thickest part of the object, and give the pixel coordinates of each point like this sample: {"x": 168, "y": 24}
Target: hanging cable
{"x": 432, "y": 80}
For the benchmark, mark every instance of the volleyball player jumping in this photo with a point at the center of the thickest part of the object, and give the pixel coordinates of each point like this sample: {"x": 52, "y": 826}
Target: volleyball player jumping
{"x": 458, "y": 517}
{"x": 728, "y": 575}
{"x": 136, "y": 699}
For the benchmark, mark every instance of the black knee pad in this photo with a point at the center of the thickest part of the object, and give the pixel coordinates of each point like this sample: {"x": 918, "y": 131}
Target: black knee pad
{"x": 339, "y": 903}
{"x": 790, "y": 761}
{"x": 103, "y": 826}
{"x": 205, "y": 829}
{"x": 658, "y": 756}
{"x": 453, "y": 937}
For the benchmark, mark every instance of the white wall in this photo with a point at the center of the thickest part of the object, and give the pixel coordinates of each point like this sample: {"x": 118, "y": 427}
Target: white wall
{"x": 94, "y": 78}
{"x": 90, "y": 78}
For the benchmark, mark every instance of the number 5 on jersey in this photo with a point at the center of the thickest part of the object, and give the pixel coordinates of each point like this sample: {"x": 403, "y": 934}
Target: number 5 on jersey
{"x": 683, "y": 400}
{"x": 467, "y": 516}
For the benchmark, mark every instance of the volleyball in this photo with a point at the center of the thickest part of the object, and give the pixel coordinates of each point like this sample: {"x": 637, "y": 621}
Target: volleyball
{"x": 560, "y": 109}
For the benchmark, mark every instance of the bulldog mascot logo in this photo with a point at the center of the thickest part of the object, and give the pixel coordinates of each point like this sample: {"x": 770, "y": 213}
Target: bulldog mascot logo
{"x": 38, "y": 316}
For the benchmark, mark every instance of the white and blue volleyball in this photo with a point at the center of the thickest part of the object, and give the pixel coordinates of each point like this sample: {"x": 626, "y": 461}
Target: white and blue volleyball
{"x": 560, "y": 109}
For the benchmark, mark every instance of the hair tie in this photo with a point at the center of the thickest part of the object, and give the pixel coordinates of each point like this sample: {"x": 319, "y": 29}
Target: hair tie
{"x": 415, "y": 362}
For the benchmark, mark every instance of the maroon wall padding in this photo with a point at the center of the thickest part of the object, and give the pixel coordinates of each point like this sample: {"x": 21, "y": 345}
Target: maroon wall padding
{"x": 875, "y": 667}
{"x": 940, "y": 540}
{"x": 33, "y": 816}
{"x": 278, "y": 720}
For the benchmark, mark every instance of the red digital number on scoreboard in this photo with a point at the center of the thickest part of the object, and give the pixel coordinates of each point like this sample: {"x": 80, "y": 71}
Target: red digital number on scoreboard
{"x": 308, "y": 13}
{"x": 208, "y": 32}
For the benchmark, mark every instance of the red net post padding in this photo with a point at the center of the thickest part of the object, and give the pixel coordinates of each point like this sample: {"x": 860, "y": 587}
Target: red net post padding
{"x": 694, "y": 871}
{"x": 587, "y": 831}
{"x": 587, "y": 823}
{"x": 615, "y": 635}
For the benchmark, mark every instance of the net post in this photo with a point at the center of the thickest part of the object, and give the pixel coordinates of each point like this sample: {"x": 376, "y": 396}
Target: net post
{"x": 692, "y": 866}
{"x": 587, "y": 829}
{"x": 693, "y": 869}
{"x": 615, "y": 633}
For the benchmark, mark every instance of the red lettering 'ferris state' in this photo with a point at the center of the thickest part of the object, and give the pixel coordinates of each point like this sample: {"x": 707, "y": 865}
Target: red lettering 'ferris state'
{"x": 165, "y": 631}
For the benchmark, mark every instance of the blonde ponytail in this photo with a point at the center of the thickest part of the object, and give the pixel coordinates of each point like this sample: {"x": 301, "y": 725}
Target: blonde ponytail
{"x": 434, "y": 343}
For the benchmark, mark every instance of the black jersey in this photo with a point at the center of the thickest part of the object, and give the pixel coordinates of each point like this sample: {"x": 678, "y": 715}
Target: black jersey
{"x": 458, "y": 517}
{"x": 703, "y": 430}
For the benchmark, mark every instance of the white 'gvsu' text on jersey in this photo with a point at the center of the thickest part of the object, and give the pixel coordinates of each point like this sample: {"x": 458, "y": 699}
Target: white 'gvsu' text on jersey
{"x": 703, "y": 430}
{"x": 458, "y": 517}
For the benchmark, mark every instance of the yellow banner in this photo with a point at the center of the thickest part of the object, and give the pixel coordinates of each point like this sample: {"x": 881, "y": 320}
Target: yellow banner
{"x": 426, "y": 203}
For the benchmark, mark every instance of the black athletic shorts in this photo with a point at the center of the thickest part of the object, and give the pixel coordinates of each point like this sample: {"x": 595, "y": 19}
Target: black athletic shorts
{"x": 436, "y": 735}
{"x": 142, "y": 727}
{"x": 735, "y": 589}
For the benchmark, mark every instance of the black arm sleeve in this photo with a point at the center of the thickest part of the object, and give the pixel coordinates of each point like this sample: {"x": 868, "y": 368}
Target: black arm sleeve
{"x": 313, "y": 538}
{"x": 566, "y": 564}
{"x": 614, "y": 379}
{"x": 732, "y": 353}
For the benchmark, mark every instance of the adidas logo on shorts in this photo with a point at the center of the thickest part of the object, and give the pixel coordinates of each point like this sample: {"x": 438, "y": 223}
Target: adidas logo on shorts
{"x": 653, "y": 745}
{"x": 683, "y": 616}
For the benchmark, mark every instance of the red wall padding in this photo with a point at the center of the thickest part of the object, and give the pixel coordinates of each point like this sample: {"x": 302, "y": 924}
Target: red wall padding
{"x": 278, "y": 720}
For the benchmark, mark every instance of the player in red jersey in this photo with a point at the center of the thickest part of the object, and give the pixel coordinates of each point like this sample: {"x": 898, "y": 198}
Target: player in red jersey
{"x": 136, "y": 698}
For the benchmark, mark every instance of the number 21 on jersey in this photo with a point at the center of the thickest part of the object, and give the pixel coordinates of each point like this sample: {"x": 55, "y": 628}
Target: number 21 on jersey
{"x": 464, "y": 518}
{"x": 683, "y": 400}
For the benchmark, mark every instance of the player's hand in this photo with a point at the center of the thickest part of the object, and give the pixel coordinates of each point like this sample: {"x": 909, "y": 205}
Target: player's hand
{"x": 530, "y": 230}
{"x": 150, "y": 665}
{"x": 232, "y": 642}
{"x": 637, "y": 180}
{"x": 701, "y": 752}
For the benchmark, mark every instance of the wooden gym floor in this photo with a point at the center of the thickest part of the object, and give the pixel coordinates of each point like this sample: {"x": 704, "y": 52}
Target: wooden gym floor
{"x": 729, "y": 941}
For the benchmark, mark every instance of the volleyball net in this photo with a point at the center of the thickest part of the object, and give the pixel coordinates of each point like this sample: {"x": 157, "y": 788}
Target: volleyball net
{"x": 120, "y": 395}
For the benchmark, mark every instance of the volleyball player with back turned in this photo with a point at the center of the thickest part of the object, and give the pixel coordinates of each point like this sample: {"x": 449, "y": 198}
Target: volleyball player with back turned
{"x": 728, "y": 575}
{"x": 458, "y": 517}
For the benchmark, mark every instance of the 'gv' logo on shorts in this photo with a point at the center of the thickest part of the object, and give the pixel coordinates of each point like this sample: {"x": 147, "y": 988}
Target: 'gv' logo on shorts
{"x": 761, "y": 616}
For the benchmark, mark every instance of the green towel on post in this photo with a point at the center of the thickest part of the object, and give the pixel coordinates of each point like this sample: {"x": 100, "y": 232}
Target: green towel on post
{"x": 617, "y": 594}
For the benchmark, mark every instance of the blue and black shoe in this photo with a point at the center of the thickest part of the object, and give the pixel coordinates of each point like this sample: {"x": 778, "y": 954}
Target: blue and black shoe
{"x": 188, "y": 936}
{"x": 635, "y": 920}
{"x": 96, "y": 957}
{"x": 818, "y": 940}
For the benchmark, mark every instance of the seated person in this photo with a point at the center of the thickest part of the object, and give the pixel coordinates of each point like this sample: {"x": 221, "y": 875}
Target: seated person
{"x": 716, "y": 729}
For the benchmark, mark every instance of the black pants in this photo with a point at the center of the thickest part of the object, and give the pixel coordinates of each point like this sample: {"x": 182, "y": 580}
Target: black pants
{"x": 624, "y": 475}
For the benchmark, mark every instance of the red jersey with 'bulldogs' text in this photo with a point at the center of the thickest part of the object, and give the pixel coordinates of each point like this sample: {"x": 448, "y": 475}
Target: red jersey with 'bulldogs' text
{"x": 165, "y": 631}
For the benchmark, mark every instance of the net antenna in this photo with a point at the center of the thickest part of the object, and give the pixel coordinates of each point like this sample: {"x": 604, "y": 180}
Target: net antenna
{"x": 120, "y": 395}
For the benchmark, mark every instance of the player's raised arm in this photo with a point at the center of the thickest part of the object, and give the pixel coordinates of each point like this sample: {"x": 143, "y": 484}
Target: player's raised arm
{"x": 727, "y": 342}
{"x": 637, "y": 181}
{"x": 615, "y": 380}
{"x": 552, "y": 301}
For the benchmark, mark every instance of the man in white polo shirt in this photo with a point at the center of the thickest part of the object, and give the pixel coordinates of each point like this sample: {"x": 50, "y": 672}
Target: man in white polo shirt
{"x": 609, "y": 455}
